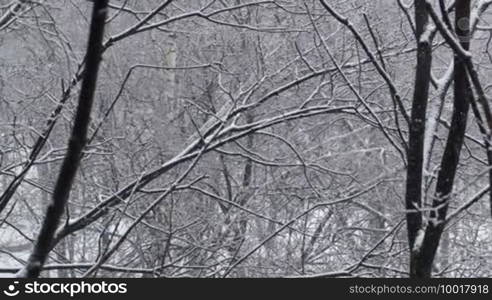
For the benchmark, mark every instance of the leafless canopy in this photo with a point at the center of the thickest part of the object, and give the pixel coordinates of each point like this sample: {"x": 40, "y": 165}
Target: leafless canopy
{"x": 245, "y": 138}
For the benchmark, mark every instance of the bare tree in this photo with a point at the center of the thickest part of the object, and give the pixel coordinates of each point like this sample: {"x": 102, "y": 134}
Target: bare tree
{"x": 246, "y": 138}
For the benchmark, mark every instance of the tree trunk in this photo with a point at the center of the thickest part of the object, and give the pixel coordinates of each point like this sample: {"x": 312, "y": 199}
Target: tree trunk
{"x": 78, "y": 138}
{"x": 413, "y": 197}
{"x": 424, "y": 257}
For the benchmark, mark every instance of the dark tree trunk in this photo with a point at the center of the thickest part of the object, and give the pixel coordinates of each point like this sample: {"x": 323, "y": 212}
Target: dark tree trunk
{"x": 55, "y": 209}
{"x": 413, "y": 197}
{"x": 424, "y": 258}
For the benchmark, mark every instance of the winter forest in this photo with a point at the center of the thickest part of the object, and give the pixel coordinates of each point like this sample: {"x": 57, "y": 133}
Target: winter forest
{"x": 245, "y": 138}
